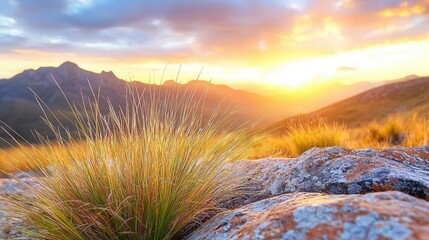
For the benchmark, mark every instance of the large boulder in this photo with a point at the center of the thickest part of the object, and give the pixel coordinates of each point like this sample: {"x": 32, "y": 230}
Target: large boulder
{"x": 338, "y": 170}
{"x": 387, "y": 215}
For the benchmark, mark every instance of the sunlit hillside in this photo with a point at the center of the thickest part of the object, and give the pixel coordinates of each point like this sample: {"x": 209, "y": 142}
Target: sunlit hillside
{"x": 391, "y": 115}
{"x": 300, "y": 135}
{"x": 401, "y": 98}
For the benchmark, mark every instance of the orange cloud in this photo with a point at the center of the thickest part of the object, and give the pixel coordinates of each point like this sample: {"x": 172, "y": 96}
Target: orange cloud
{"x": 313, "y": 31}
{"x": 404, "y": 9}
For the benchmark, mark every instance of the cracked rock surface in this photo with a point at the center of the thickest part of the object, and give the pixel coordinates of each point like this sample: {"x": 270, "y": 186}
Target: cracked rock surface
{"x": 385, "y": 215}
{"x": 338, "y": 170}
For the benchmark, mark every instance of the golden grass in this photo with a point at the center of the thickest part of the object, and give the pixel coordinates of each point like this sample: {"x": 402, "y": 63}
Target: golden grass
{"x": 398, "y": 130}
{"x": 301, "y": 137}
{"x": 16, "y": 159}
{"x": 144, "y": 172}
{"x": 270, "y": 146}
{"x": 391, "y": 131}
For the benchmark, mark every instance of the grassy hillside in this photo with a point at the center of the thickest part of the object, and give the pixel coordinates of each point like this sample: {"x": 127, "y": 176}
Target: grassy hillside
{"x": 408, "y": 130}
{"x": 400, "y": 98}
{"x": 390, "y": 115}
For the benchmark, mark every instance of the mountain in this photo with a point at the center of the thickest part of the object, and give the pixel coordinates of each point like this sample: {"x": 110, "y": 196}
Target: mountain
{"x": 408, "y": 95}
{"x": 68, "y": 75}
{"x": 21, "y": 112}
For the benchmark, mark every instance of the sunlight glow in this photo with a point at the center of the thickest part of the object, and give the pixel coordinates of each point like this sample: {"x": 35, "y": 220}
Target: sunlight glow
{"x": 376, "y": 63}
{"x": 365, "y": 64}
{"x": 297, "y": 74}
{"x": 287, "y": 44}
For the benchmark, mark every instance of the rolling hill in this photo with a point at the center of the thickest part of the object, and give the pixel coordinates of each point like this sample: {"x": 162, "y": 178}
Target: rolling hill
{"x": 406, "y": 96}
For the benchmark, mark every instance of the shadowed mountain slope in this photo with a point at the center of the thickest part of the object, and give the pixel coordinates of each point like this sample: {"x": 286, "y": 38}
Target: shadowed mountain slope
{"x": 20, "y": 110}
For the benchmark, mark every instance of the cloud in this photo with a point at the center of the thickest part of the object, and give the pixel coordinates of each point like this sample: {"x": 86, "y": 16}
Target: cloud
{"x": 208, "y": 30}
{"x": 346, "y": 68}
{"x": 40, "y": 14}
{"x": 404, "y": 9}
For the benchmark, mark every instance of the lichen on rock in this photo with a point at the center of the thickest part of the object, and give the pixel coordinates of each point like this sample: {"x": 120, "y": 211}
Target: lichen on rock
{"x": 386, "y": 215}
{"x": 338, "y": 170}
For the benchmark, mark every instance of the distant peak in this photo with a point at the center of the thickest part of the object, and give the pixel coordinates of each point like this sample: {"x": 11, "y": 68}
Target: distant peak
{"x": 170, "y": 83}
{"x": 410, "y": 77}
{"x": 108, "y": 74}
{"x": 199, "y": 82}
{"x": 69, "y": 65}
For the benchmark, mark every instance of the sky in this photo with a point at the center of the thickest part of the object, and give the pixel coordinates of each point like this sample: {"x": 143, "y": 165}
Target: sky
{"x": 277, "y": 43}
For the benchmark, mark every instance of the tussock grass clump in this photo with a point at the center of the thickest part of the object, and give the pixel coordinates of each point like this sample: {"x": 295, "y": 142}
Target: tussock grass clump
{"x": 408, "y": 130}
{"x": 304, "y": 136}
{"x": 143, "y": 172}
{"x": 271, "y": 146}
{"x": 417, "y": 132}
{"x": 391, "y": 131}
{"x": 300, "y": 137}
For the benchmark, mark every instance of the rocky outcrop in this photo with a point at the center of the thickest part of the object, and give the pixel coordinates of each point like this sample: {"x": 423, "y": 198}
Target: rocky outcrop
{"x": 338, "y": 170}
{"x": 387, "y": 215}
{"x": 379, "y": 194}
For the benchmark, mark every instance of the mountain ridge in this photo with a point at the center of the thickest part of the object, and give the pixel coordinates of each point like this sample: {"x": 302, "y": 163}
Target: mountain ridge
{"x": 21, "y": 111}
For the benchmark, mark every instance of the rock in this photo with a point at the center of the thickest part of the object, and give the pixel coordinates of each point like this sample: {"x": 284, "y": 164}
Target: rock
{"x": 15, "y": 184}
{"x": 338, "y": 170}
{"x": 20, "y": 183}
{"x": 27, "y": 174}
{"x": 387, "y": 215}
{"x": 8, "y": 224}
{"x": 12, "y": 185}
